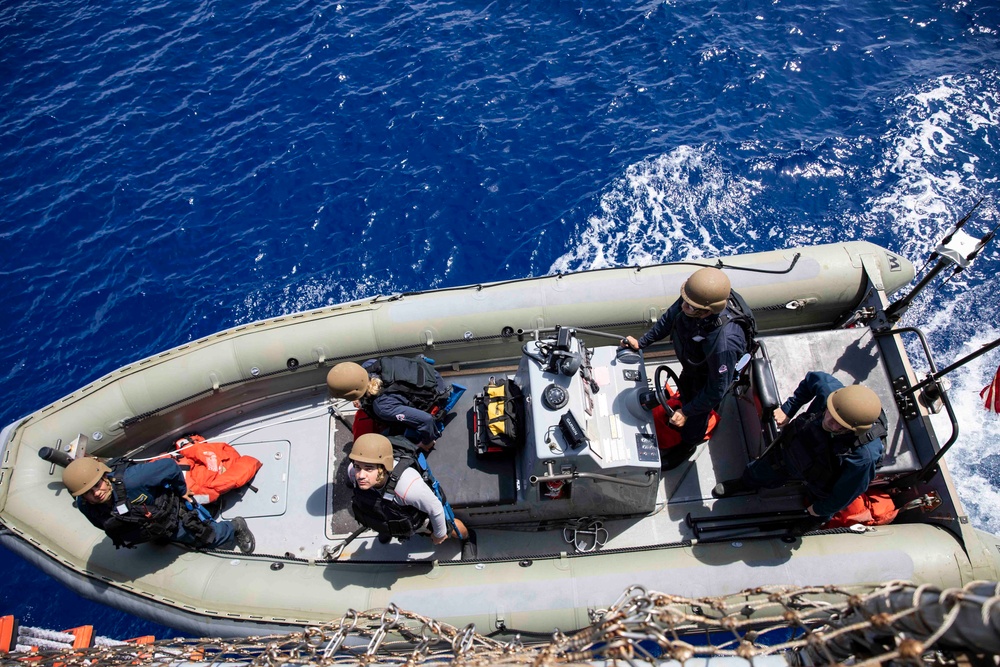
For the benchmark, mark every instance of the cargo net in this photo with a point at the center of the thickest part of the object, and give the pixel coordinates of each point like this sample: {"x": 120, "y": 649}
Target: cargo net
{"x": 896, "y": 623}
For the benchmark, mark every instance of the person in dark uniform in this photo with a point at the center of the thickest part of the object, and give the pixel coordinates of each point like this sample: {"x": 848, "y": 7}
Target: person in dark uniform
{"x": 834, "y": 447}
{"x": 148, "y": 502}
{"x": 399, "y": 392}
{"x": 708, "y": 326}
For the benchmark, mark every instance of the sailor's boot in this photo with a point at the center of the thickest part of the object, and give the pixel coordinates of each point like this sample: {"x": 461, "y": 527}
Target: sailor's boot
{"x": 245, "y": 541}
{"x": 730, "y": 487}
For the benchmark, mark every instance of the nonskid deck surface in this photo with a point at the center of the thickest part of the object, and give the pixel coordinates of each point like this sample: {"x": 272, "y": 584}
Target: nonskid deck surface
{"x": 300, "y": 507}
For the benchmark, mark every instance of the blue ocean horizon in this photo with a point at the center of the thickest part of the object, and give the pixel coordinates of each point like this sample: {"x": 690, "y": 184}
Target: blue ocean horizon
{"x": 172, "y": 169}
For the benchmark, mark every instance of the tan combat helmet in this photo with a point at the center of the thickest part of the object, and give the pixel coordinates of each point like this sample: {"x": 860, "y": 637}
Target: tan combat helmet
{"x": 707, "y": 288}
{"x": 854, "y": 407}
{"x": 81, "y": 475}
{"x": 347, "y": 380}
{"x": 372, "y": 448}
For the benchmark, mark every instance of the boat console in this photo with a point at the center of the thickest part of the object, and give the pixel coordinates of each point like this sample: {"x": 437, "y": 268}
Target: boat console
{"x": 590, "y": 447}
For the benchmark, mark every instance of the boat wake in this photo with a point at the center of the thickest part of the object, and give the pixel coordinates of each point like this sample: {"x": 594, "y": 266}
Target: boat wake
{"x": 904, "y": 188}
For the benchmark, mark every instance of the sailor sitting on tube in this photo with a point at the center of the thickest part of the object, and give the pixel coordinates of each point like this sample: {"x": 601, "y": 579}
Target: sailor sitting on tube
{"x": 707, "y": 327}
{"x": 392, "y": 498}
{"x": 406, "y": 394}
{"x": 835, "y": 447}
{"x": 148, "y": 502}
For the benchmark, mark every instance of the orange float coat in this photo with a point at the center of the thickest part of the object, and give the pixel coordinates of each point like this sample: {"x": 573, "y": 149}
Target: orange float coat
{"x": 869, "y": 509}
{"x": 666, "y": 435}
{"x": 213, "y": 468}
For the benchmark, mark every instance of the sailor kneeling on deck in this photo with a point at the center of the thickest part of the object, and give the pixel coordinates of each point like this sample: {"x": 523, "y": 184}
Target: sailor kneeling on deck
{"x": 711, "y": 327}
{"x": 407, "y": 395}
{"x": 392, "y": 498}
{"x": 148, "y": 502}
{"x": 835, "y": 447}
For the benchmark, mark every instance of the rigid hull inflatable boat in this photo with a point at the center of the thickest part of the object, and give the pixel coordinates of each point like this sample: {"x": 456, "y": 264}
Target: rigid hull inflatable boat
{"x": 566, "y": 521}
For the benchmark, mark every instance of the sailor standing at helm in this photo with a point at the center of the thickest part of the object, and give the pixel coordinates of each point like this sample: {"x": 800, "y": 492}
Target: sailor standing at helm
{"x": 400, "y": 392}
{"x": 706, "y": 326}
{"x": 834, "y": 447}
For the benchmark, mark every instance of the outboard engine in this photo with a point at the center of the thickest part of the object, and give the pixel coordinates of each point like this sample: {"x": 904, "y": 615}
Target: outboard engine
{"x": 590, "y": 448}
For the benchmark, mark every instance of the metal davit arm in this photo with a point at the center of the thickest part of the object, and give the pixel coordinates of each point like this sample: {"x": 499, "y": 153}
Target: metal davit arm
{"x": 906, "y": 401}
{"x": 932, "y": 390}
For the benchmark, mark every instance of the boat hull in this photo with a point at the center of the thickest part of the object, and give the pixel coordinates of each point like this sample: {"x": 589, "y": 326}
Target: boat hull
{"x": 202, "y": 383}
{"x": 528, "y": 594}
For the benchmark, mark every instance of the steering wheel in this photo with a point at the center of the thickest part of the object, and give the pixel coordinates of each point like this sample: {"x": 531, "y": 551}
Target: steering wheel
{"x": 660, "y": 386}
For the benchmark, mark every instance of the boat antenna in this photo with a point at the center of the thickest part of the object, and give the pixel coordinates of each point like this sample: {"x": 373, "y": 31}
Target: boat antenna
{"x": 954, "y": 251}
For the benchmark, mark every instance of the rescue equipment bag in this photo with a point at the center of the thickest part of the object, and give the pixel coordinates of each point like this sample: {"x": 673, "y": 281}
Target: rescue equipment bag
{"x": 498, "y": 417}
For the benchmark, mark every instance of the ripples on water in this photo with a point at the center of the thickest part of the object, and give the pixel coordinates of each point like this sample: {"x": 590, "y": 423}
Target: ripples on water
{"x": 169, "y": 169}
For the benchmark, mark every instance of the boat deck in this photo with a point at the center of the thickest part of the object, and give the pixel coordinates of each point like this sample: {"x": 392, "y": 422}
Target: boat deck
{"x": 300, "y": 505}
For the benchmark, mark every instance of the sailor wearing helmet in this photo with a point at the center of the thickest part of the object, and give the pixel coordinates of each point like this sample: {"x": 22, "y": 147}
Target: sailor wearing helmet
{"x": 708, "y": 326}
{"x": 834, "y": 447}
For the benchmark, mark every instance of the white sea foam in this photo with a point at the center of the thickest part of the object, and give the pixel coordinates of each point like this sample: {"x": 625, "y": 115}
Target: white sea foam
{"x": 683, "y": 205}
{"x": 974, "y": 460}
{"x": 933, "y": 155}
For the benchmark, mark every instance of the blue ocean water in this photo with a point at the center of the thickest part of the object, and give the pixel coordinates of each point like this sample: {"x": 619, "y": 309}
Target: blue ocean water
{"x": 169, "y": 169}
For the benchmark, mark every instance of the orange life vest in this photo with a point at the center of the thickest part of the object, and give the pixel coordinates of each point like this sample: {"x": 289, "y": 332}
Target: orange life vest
{"x": 215, "y": 467}
{"x": 872, "y": 508}
{"x": 666, "y": 435}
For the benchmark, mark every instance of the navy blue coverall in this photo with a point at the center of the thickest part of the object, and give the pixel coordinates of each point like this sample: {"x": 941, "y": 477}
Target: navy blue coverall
{"x": 397, "y": 411}
{"x": 834, "y": 466}
{"x": 708, "y": 352}
{"x": 144, "y": 483}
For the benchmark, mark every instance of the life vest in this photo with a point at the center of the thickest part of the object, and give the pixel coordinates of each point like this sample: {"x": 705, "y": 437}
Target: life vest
{"x": 872, "y": 508}
{"x": 712, "y": 329}
{"x": 214, "y": 468}
{"x": 666, "y": 435}
{"x": 376, "y": 509}
{"x": 412, "y": 377}
{"x": 157, "y": 522}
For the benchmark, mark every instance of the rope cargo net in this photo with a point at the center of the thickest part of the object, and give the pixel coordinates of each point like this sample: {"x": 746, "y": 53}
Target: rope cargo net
{"x": 895, "y": 623}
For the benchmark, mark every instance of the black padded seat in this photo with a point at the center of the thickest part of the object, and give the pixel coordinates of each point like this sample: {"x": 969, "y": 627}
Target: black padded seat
{"x": 468, "y": 479}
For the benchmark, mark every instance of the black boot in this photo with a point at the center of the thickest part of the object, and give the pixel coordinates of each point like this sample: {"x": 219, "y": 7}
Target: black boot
{"x": 730, "y": 487}
{"x": 470, "y": 548}
{"x": 245, "y": 541}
